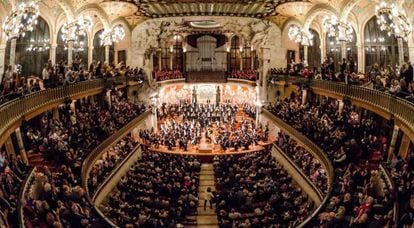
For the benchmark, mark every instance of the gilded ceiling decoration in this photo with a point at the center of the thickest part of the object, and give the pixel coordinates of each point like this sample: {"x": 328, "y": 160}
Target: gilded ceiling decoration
{"x": 241, "y": 8}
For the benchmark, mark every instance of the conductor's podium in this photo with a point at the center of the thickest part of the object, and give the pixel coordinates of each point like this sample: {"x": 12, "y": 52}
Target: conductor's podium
{"x": 205, "y": 148}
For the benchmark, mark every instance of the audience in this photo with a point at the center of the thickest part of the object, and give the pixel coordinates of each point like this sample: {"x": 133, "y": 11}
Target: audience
{"x": 13, "y": 171}
{"x": 113, "y": 157}
{"x": 358, "y": 198}
{"x": 15, "y": 85}
{"x": 310, "y": 165}
{"x": 161, "y": 75}
{"x": 253, "y": 190}
{"x": 251, "y": 74}
{"x": 65, "y": 143}
{"x": 159, "y": 190}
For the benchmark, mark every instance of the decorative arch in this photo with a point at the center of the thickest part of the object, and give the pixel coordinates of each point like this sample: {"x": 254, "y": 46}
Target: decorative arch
{"x": 97, "y": 10}
{"x": 346, "y": 10}
{"x": 67, "y": 8}
{"x": 32, "y": 50}
{"x": 315, "y": 11}
{"x": 379, "y": 48}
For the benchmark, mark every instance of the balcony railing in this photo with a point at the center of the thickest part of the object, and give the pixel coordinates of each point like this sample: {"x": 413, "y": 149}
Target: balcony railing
{"x": 377, "y": 101}
{"x": 24, "y": 195}
{"x": 17, "y": 109}
{"x": 312, "y": 148}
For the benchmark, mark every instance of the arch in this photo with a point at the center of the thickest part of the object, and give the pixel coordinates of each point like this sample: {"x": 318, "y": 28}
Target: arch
{"x": 290, "y": 21}
{"x": 32, "y": 50}
{"x": 315, "y": 11}
{"x": 123, "y": 22}
{"x": 79, "y": 48}
{"x": 346, "y": 10}
{"x": 67, "y": 8}
{"x": 97, "y": 10}
{"x": 379, "y": 47}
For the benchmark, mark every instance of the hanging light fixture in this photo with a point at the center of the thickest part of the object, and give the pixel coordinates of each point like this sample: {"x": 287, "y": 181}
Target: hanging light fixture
{"x": 73, "y": 30}
{"x": 21, "y": 20}
{"x": 300, "y": 35}
{"x": 116, "y": 34}
{"x": 342, "y": 30}
{"x": 393, "y": 20}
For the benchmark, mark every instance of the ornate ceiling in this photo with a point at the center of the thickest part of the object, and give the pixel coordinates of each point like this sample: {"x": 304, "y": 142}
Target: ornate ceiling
{"x": 277, "y": 11}
{"x": 169, "y": 8}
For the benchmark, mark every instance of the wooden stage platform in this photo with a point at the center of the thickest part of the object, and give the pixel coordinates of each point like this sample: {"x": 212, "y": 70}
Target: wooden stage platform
{"x": 195, "y": 151}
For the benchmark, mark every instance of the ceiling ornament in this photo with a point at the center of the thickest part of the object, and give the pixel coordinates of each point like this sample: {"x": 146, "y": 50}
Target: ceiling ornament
{"x": 294, "y": 8}
{"x": 73, "y": 30}
{"x": 341, "y": 30}
{"x": 116, "y": 34}
{"x": 393, "y": 20}
{"x": 22, "y": 19}
{"x": 300, "y": 35}
{"x": 236, "y": 8}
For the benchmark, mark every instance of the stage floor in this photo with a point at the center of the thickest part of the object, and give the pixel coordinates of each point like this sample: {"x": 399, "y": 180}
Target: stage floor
{"x": 206, "y": 149}
{"x": 195, "y": 151}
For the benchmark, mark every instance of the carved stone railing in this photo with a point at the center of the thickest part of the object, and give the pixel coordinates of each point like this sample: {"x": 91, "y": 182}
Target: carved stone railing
{"x": 311, "y": 147}
{"x": 24, "y": 195}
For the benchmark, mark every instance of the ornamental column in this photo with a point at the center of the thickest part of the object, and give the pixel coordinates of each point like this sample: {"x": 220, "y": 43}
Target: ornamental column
{"x": 159, "y": 59}
{"x": 323, "y": 47}
{"x": 404, "y": 146}
{"x": 305, "y": 54}
{"x": 343, "y": 49}
{"x": 251, "y": 60}
{"x": 107, "y": 53}
{"x": 411, "y": 52}
{"x": 264, "y": 72}
{"x": 13, "y": 42}
{"x": 70, "y": 52}
{"x": 52, "y": 54}
{"x": 90, "y": 55}
{"x": 400, "y": 50}
{"x": 2, "y": 57}
{"x": 241, "y": 58}
{"x": 171, "y": 60}
{"x": 393, "y": 142}
{"x": 21, "y": 145}
{"x": 8, "y": 145}
{"x": 361, "y": 57}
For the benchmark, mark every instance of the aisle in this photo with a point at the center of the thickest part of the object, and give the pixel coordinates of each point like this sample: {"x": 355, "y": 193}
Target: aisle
{"x": 206, "y": 218}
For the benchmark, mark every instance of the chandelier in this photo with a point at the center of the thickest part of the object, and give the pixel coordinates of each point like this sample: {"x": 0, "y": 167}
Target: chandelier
{"x": 21, "y": 20}
{"x": 38, "y": 45}
{"x": 393, "y": 20}
{"x": 73, "y": 30}
{"x": 300, "y": 35}
{"x": 116, "y": 34}
{"x": 340, "y": 29}
{"x": 78, "y": 46}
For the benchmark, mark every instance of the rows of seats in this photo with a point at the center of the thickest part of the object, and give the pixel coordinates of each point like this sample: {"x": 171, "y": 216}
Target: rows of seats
{"x": 351, "y": 141}
{"x": 109, "y": 160}
{"x": 65, "y": 143}
{"x": 303, "y": 159}
{"x": 159, "y": 190}
{"x": 253, "y": 190}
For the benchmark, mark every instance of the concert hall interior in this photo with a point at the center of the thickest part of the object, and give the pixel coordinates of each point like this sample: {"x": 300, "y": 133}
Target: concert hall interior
{"x": 204, "y": 113}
